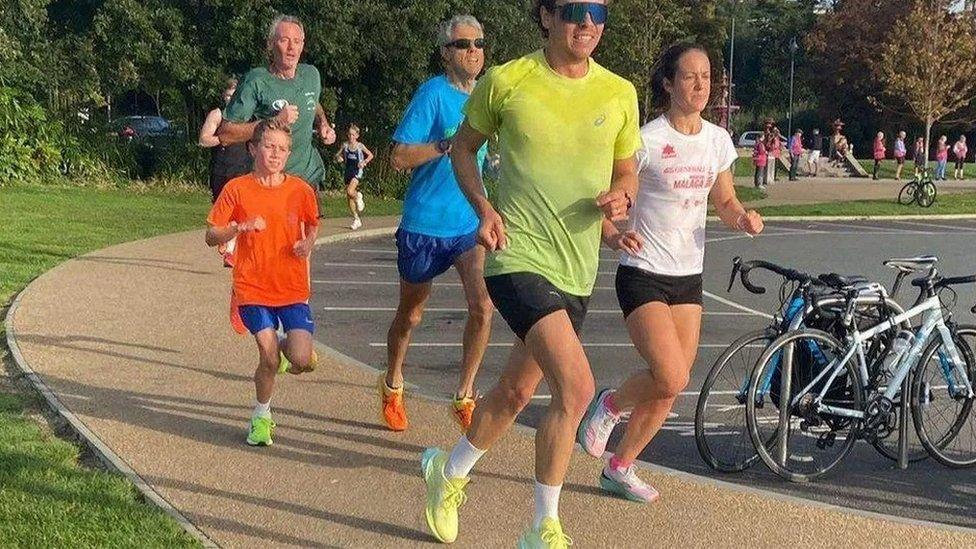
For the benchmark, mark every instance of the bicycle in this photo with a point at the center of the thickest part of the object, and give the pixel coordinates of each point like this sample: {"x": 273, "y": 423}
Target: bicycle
{"x": 920, "y": 190}
{"x": 720, "y": 427}
{"x": 846, "y": 401}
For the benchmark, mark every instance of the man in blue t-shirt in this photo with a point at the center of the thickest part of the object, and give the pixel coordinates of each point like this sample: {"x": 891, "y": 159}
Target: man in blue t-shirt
{"x": 438, "y": 227}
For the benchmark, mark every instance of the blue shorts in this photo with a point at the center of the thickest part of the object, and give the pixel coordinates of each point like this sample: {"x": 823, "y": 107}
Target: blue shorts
{"x": 420, "y": 257}
{"x": 291, "y": 317}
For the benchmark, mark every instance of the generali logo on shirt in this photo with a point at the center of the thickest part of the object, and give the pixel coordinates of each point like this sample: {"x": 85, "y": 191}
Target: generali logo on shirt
{"x": 668, "y": 152}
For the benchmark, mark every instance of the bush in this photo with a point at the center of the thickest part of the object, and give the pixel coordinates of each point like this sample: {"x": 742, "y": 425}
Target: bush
{"x": 35, "y": 147}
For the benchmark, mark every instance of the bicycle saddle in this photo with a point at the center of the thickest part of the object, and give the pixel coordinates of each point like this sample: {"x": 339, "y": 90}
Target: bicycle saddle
{"x": 835, "y": 280}
{"x": 912, "y": 264}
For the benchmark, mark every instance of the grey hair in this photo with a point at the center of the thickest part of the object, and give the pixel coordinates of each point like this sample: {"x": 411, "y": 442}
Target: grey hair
{"x": 273, "y": 28}
{"x": 445, "y": 31}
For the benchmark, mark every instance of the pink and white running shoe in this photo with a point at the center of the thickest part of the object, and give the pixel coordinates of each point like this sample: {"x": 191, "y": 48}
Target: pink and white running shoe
{"x": 594, "y": 431}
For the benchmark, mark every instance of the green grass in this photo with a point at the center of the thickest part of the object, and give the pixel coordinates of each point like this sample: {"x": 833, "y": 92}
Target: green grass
{"x": 46, "y": 498}
{"x": 44, "y": 226}
{"x": 335, "y": 206}
{"x": 954, "y": 203}
{"x": 748, "y": 194}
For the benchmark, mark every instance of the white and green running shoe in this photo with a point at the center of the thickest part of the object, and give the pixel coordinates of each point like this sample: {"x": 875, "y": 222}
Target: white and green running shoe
{"x": 550, "y": 535}
{"x": 262, "y": 427}
{"x": 444, "y": 496}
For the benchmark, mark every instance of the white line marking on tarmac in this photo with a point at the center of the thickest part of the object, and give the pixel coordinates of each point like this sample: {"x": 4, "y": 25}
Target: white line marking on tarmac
{"x": 464, "y": 310}
{"x": 936, "y": 225}
{"x": 735, "y": 305}
{"x": 875, "y": 229}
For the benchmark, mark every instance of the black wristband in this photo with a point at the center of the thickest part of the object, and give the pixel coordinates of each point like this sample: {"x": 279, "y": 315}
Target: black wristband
{"x": 443, "y": 146}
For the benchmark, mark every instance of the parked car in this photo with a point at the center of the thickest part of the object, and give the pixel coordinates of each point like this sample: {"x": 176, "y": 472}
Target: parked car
{"x": 749, "y": 138}
{"x": 143, "y": 127}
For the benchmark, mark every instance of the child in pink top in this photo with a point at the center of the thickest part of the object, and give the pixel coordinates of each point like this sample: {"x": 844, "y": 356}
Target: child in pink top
{"x": 759, "y": 159}
{"x": 959, "y": 150}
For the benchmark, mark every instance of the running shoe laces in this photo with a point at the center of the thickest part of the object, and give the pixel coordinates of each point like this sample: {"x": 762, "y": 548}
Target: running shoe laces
{"x": 454, "y": 496}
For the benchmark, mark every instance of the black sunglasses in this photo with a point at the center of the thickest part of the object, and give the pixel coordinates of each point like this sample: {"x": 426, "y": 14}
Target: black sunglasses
{"x": 466, "y": 43}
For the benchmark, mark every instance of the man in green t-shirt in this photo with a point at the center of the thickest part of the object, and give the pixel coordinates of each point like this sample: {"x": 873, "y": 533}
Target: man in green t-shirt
{"x": 286, "y": 90}
{"x": 567, "y": 133}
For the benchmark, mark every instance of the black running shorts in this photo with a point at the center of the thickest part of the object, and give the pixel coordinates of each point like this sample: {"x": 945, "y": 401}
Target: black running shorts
{"x": 636, "y": 287}
{"x": 525, "y": 298}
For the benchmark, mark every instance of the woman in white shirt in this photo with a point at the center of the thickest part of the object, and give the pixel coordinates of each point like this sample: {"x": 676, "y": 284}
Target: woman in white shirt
{"x": 685, "y": 162}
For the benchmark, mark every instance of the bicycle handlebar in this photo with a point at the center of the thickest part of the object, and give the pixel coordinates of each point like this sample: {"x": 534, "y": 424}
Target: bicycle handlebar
{"x": 742, "y": 269}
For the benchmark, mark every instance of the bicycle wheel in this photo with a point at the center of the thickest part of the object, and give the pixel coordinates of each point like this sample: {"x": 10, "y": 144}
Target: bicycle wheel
{"x": 925, "y": 195}
{"x": 794, "y": 439}
{"x": 941, "y": 407}
{"x": 720, "y": 416}
{"x": 907, "y": 194}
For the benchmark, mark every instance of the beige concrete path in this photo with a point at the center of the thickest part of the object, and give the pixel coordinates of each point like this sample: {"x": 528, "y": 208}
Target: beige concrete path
{"x": 134, "y": 341}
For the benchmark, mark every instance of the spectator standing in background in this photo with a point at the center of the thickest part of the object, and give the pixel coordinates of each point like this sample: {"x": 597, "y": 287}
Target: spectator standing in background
{"x": 941, "y": 158}
{"x": 900, "y": 153}
{"x": 813, "y": 159}
{"x": 879, "y": 153}
{"x": 919, "y": 156}
{"x": 959, "y": 150}
{"x": 759, "y": 159}
{"x": 796, "y": 151}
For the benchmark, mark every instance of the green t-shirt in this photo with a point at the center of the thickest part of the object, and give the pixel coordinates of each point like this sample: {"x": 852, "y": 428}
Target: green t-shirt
{"x": 261, "y": 95}
{"x": 558, "y": 139}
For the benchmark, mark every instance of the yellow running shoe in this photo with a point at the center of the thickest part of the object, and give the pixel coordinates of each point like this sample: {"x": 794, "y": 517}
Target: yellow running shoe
{"x": 393, "y": 413}
{"x": 462, "y": 409}
{"x": 549, "y": 536}
{"x": 283, "y": 364}
{"x": 444, "y": 495}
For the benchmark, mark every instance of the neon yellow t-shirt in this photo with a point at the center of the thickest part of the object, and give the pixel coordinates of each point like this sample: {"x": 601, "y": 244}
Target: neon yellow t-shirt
{"x": 558, "y": 139}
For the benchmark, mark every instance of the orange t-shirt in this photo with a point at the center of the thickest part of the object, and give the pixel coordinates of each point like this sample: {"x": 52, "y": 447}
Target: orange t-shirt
{"x": 266, "y": 269}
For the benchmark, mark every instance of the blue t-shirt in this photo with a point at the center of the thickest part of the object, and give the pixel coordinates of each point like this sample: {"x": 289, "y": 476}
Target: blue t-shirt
{"x": 435, "y": 205}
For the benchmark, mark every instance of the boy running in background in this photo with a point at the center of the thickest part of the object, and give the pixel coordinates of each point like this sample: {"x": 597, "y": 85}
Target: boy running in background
{"x": 275, "y": 219}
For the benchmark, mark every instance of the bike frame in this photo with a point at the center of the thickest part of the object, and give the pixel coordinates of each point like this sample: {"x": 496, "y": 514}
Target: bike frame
{"x": 932, "y": 319}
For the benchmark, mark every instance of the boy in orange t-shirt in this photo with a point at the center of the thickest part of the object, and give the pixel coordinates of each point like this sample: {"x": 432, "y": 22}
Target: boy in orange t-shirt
{"x": 275, "y": 219}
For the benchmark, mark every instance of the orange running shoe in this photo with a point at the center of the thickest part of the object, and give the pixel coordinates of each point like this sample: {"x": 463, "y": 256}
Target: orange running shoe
{"x": 462, "y": 409}
{"x": 393, "y": 413}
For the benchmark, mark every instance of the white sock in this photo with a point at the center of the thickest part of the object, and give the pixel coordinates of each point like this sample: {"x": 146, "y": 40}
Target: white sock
{"x": 262, "y": 409}
{"x": 462, "y": 459}
{"x": 546, "y": 502}
{"x": 231, "y": 245}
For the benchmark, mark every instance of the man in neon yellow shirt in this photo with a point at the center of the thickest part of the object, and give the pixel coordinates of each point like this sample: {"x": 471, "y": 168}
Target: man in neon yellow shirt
{"x": 568, "y": 135}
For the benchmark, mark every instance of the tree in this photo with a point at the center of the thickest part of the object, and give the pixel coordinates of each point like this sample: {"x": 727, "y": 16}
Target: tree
{"x": 845, "y": 46}
{"x": 936, "y": 77}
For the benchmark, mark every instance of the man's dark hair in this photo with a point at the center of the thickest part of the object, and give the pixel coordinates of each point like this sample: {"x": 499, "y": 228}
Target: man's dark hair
{"x": 550, "y": 5}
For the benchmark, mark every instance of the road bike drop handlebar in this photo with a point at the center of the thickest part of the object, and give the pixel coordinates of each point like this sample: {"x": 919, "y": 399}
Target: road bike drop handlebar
{"x": 743, "y": 268}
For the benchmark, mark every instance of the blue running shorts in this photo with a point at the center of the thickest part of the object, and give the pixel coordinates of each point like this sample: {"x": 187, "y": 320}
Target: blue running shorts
{"x": 420, "y": 257}
{"x": 291, "y": 317}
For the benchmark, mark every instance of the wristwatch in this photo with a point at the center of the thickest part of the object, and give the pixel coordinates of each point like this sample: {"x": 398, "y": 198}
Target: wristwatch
{"x": 443, "y": 146}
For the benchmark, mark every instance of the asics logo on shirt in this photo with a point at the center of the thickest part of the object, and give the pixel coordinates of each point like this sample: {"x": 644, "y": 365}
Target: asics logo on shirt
{"x": 279, "y": 104}
{"x": 668, "y": 152}
{"x": 599, "y": 121}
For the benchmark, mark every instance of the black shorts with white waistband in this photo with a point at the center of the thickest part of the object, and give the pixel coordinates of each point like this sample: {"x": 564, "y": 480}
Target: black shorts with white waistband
{"x": 637, "y": 287}
{"x": 523, "y": 299}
